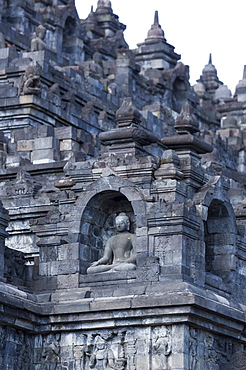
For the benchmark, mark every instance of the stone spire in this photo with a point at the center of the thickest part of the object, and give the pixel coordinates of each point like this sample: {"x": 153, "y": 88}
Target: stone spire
{"x": 156, "y": 32}
{"x": 210, "y": 67}
{"x": 241, "y": 88}
{"x": 155, "y": 52}
{"x": 209, "y": 76}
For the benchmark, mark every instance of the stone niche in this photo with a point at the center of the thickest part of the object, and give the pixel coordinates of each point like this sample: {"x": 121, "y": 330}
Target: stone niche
{"x": 98, "y": 224}
{"x": 219, "y": 238}
{"x": 220, "y": 241}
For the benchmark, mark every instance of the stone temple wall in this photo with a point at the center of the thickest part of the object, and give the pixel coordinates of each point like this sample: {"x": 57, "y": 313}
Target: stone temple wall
{"x": 91, "y": 134}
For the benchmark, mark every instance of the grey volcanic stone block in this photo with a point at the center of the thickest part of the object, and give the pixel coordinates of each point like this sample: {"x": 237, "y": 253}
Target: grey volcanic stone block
{"x": 75, "y": 151}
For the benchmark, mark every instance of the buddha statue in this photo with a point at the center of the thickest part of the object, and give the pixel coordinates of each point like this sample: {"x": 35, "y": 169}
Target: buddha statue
{"x": 120, "y": 250}
{"x": 37, "y": 43}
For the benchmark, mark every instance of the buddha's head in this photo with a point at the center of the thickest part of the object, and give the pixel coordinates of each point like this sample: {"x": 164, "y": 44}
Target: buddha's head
{"x": 122, "y": 222}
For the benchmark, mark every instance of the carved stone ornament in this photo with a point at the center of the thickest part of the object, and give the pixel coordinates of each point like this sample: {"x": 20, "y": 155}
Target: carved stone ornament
{"x": 30, "y": 82}
{"x": 186, "y": 122}
{"x": 211, "y": 357}
{"x": 23, "y": 185}
{"x": 162, "y": 348}
{"x": 186, "y": 125}
{"x": 127, "y": 114}
{"x": 51, "y": 351}
{"x": 193, "y": 346}
{"x": 14, "y": 264}
{"x": 238, "y": 362}
{"x": 102, "y": 351}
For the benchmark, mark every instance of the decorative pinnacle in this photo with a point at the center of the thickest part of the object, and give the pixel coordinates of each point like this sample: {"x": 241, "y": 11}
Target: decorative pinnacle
{"x": 186, "y": 122}
{"x": 156, "y": 32}
{"x": 244, "y": 73}
{"x": 156, "y": 18}
{"x": 210, "y": 59}
{"x": 127, "y": 114}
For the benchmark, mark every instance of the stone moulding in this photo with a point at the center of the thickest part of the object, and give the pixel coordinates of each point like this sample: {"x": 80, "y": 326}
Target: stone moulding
{"x": 125, "y": 135}
{"x": 187, "y": 142}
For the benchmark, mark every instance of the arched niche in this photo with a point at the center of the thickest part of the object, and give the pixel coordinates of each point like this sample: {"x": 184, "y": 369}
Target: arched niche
{"x": 69, "y": 36}
{"x": 179, "y": 92}
{"x": 98, "y": 224}
{"x": 219, "y": 238}
{"x": 179, "y": 89}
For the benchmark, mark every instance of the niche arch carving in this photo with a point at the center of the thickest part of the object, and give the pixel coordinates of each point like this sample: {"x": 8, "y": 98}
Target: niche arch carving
{"x": 98, "y": 224}
{"x": 219, "y": 238}
{"x": 218, "y": 233}
{"x": 98, "y": 205}
{"x": 69, "y": 35}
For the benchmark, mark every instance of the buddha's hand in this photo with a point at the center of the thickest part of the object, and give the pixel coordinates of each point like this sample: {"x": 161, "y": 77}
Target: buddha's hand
{"x": 95, "y": 263}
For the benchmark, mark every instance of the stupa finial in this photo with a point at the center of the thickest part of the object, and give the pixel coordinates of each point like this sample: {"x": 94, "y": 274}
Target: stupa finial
{"x": 156, "y": 32}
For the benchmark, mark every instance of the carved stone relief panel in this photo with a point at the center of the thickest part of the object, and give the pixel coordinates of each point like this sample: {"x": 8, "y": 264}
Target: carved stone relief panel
{"x": 108, "y": 352}
{"x": 193, "y": 348}
{"x": 208, "y": 351}
{"x": 14, "y": 264}
{"x": 142, "y": 346}
{"x": 132, "y": 349}
{"x": 16, "y": 349}
{"x": 161, "y": 348}
{"x": 162, "y": 249}
{"x": 51, "y": 352}
{"x": 211, "y": 356}
{"x": 147, "y": 348}
{"x": 191, "y": 255}
{"x": 82, "y": 351}
{"x": 238, "y": 362}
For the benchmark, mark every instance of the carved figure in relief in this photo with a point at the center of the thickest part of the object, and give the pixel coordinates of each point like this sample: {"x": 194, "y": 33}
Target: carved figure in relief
{"x": 193, "y": 348}
{"x": 210, "y": 355}
{"x": 26, "y": 354}
{"x": 162, "y": 348}
{"x": 37, "y": 43}
{"x": 14, "y": 264}
{"x": 103, "y": 358}
{"x": 50, "y": 352}
{"x": 120, "y": 250}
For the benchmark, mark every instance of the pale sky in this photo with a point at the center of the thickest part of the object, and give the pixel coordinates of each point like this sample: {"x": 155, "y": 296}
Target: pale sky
{"x": 194, "y": 27}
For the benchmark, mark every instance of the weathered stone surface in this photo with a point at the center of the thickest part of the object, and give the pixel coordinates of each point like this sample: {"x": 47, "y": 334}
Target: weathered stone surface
{"x": 89, "y": 130}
